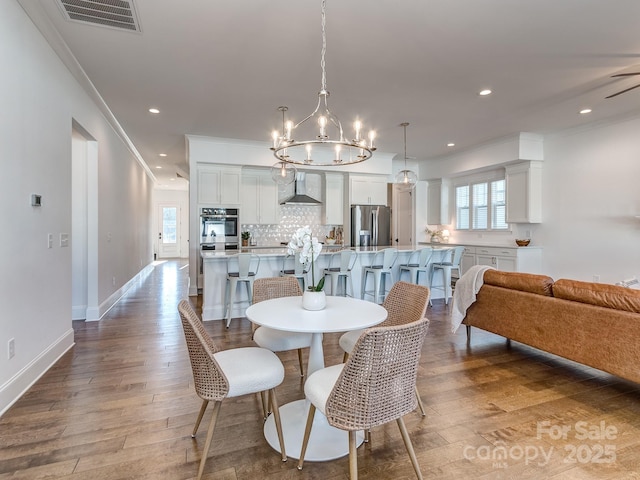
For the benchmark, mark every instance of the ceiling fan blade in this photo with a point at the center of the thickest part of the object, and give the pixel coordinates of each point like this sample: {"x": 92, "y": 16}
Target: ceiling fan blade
{"x": 625, "y": 74}
{"x": 623, "y": 91}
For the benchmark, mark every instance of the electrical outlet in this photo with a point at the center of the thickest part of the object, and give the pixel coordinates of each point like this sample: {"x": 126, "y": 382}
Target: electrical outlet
{"x": 596, "y": 278}
{"x": 64, "y": 239}
{"x": 49, "y": 240}
{"x": 527, "y": 233}
{"x": 11, "y": 348}
{"x": 113, "y": 281}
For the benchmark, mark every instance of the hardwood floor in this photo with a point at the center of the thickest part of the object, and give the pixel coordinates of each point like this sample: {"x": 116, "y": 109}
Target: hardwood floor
{"x": 121, "y": 405}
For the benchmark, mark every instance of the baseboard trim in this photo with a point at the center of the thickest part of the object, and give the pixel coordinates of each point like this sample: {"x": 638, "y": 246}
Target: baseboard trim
{"x": 17, "y": 385}
{"x": 96, "y": 313}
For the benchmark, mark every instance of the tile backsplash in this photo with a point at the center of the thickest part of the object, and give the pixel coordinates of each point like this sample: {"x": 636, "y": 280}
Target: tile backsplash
{"x": 292, "y": 217}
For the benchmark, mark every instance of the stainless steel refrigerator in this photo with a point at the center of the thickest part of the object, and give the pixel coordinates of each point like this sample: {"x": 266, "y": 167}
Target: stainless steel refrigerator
{"x": 370, "y": 225}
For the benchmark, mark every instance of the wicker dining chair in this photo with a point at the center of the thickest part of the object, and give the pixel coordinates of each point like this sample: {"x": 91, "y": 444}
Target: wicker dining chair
{"x": 270, "y": 338}
{"x": 220, "y": 374}
{"x": 406, "y": 303}
{"x": 374, "y": 387}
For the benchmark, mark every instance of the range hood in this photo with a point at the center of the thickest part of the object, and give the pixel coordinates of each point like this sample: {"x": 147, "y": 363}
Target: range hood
{"x": 300, "y": 196}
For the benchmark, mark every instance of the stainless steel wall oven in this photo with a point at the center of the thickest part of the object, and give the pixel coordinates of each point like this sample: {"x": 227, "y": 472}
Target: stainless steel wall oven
{"x": 219, "y": 228}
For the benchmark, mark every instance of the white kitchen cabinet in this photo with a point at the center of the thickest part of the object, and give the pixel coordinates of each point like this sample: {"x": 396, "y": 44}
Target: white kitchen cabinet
{"x": 524, "y": 192}
{"x": 334, "y": 199}
{"x": 510, "y": 259}
{"x": 468, "y": 259}
{"x": 368, "y": 190}
{"x": 218, "y": 185}
{"x": 437, "y": 202}
{"x": 259, "y": 198}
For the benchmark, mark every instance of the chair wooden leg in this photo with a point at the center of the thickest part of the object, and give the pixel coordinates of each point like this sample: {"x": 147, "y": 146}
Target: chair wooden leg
{"x": 353, "y": 456}
{"x": 199, "y": 419}
{"x": 420, "y": 405}
{"x": 300, "y": 362}
{"x": 265, "y": 405}
{"x": 276, "y": 416}
{"x": 409, "y": 446}
{"x": 207, "y": 443}
{"x": 307, "y": 432}
{"x": 345, "y": 357}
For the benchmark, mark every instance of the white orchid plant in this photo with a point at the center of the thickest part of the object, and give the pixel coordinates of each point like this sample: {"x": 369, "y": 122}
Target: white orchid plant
{"x": 308, "y": 247}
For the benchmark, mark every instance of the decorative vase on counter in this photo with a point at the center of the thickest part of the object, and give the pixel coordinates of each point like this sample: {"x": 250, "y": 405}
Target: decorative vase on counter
{"x": 314, "y": 300}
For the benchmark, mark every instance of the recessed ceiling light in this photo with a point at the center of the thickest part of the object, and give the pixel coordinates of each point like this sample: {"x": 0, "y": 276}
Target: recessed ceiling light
{"x": 585, "y": 110}
{"x": 484, "y": 92}
{"x": 451, "y": 144}
{"x": 154, "y": 110}
{"x": 158, "y": 166}
{"x": 163, "y": 154}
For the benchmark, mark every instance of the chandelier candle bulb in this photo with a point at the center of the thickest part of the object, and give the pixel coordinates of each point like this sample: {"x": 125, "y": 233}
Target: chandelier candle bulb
{"x": 288, "y": 126}
{"x": 308, "y": 148}
{"x": 357, "y": 126}
{"x": 372, "y": 136}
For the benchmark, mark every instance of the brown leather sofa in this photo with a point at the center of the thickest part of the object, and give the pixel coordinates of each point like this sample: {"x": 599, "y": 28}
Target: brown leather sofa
{"x": 595, "y": 324}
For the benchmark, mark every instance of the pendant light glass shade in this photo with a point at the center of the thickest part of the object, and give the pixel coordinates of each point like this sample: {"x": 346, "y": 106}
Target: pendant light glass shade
{"x": 405, "y": 179}
{"x": 283, "y": 173}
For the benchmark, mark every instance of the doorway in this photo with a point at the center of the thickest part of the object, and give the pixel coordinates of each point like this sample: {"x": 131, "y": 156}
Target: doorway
{"x": 84, "y": 224}
{"x": 169, "y": 222}
{"x": 403, "y": 218}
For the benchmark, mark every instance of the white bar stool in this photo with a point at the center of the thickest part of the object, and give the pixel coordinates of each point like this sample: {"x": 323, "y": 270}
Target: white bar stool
{"x": 381, "y": 266}
{"x": 419, "y": 262}
{"x": 446, "y": 266}
{"x": 291, "y": 267}
{"x": 242, "y": 267}
{"x": 340, "y": 265}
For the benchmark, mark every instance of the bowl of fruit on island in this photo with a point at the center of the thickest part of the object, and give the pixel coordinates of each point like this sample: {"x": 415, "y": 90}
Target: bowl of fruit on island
{"x": 329, "y": 240}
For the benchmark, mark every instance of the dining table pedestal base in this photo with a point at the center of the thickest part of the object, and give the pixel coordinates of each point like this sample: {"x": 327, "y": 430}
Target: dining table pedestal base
{"x": 325, "y": 442}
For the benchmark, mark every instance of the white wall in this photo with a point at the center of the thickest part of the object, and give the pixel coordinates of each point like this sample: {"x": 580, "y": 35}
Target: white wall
{"x": 591, "y": 195}
{"x": 40, "y": 100}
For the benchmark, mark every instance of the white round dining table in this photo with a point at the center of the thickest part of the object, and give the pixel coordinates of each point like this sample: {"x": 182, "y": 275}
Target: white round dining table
{"x": 341, "y": 314}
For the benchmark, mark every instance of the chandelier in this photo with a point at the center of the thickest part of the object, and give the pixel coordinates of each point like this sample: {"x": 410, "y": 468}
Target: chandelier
{"x": 405, "y": 179}
{"x": 326, "y": 144}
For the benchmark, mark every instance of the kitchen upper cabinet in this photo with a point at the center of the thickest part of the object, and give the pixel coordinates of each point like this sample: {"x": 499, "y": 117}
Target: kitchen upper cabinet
{"x": 219, "y": 185}
{"x": 437, "y": 202}
{"x": 368, "y": 190}
{"x": 334, "y": 199}
{"x": 259, "y": 198}
{"x": 524, "y": 192}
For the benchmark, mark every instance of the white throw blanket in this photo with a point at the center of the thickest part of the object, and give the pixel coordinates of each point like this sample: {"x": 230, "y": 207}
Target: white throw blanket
{"x": 464, "y": 295}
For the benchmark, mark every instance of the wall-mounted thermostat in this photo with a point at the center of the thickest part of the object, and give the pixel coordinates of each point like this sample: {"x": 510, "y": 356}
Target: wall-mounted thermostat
{"x": 36, "y": 200}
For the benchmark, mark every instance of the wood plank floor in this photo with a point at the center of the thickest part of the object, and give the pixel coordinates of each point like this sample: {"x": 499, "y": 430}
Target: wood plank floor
{"x": 121, "y": 405}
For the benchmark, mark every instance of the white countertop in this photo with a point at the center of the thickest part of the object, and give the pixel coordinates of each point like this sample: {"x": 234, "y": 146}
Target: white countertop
{"x": 472, "y": 244}
{"x": 282, "y": 250}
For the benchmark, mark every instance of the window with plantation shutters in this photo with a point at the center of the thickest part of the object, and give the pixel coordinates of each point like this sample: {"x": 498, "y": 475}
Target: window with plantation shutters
{"x": 481, "y": 205}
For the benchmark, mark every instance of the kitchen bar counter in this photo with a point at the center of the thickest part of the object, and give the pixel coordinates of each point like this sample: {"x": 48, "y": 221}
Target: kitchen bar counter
{"x": 271, "y": 261}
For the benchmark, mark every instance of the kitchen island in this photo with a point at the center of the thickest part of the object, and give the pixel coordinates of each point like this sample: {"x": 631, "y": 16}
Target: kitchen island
{"x": 271, "y": 261}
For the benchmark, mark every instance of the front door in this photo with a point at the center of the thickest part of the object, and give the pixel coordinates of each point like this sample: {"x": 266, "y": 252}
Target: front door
{"x": 169, "y": 231}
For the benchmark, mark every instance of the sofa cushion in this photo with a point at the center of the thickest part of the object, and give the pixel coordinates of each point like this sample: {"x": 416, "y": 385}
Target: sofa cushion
{"x": 524, "y": 282}
{"x": 600, "y": 294}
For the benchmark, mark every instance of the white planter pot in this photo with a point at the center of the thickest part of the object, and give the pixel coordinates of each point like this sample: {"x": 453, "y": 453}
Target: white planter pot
{"x": 314, "y": 300}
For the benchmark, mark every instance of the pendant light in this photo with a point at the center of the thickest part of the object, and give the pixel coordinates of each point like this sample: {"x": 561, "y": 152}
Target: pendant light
{"x": 325, "y": 143}
{"x": 283, "y": 173}
{"x": 405, "y": 179}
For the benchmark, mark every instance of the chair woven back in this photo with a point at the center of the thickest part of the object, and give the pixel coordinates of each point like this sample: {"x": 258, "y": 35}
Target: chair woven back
{"x": 377, "y": 384}
{"x": 405, "y": 303}
{"x": 210, "y": 381}
{"x": 275, "y": 287}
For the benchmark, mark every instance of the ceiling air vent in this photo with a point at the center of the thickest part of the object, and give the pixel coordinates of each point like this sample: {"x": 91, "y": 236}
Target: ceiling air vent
{"x": 120, "y": 14}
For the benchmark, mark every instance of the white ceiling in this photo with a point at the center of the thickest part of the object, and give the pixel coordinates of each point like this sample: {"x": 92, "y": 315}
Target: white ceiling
{"x": 221, "y": 68}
